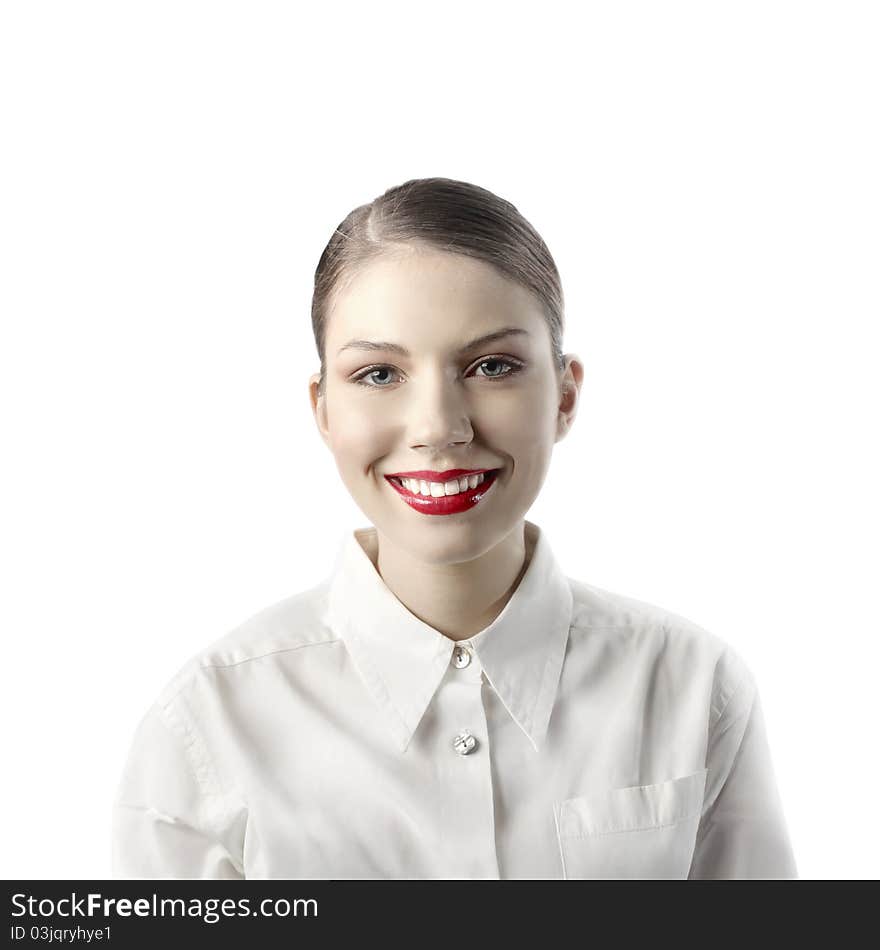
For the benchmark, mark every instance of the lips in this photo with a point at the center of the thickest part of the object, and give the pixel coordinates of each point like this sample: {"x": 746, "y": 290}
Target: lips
{"x": 446, "y": 504}
{"x": 446, "y": 476}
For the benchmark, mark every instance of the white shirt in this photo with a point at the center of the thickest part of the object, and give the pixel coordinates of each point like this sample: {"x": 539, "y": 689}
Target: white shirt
{"x": 327, "y": 737}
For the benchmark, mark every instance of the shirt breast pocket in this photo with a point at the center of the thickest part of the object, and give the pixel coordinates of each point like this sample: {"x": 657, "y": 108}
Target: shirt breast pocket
{"x": 639, "y": 831}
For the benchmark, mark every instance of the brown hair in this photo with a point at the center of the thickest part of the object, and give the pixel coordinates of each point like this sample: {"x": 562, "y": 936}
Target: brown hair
{"x": 449, "y": 215}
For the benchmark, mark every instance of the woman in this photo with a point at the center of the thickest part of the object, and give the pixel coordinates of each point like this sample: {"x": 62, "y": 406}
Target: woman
{"x": 447, "y": 703}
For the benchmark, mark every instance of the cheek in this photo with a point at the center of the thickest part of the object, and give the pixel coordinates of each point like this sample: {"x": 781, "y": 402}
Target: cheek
{"x": 525, "y": 419}
{"x": 526, "y": 431}
{"x": 359, "y": 432}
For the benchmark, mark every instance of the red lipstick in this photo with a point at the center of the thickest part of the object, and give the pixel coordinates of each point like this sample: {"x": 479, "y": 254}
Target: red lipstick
{"x": 429, "y": 476}
{"x": 444, "y": 504}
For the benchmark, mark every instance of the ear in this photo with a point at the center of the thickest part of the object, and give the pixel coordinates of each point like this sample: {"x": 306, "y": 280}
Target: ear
{"x": 570, "y": 383}
{"x": 319, "y": 407}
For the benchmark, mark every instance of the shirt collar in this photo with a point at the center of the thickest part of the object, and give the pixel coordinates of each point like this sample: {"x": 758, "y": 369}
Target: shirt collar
{"x": 402, "y": 659}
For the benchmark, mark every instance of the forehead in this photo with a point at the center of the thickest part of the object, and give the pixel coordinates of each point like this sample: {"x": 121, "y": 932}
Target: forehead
{"x": 412, "y": 290}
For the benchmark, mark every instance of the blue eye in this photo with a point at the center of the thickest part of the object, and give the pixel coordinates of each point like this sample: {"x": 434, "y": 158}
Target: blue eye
{"x": 498, "y": 362}
{"x": 368, "y": 373}
{"x": 514, "y": 366}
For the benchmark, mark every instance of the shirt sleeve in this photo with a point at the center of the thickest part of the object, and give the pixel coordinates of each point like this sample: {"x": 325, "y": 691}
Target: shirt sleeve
{"x": 170, "y": 819}
{"x": 742, "y": 831}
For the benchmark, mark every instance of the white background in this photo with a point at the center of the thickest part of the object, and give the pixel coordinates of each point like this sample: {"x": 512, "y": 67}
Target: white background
{"x": 706, "y": 176}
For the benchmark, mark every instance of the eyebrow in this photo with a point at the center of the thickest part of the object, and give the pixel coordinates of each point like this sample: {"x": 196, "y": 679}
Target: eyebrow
{"x": 403, "y": 351}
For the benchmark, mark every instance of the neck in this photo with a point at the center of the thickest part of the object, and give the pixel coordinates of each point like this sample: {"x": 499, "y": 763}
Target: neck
{"x": 458, "y": 600}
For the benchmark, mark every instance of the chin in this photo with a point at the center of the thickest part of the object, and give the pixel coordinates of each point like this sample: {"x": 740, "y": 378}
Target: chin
{"x": 467, "y": 543}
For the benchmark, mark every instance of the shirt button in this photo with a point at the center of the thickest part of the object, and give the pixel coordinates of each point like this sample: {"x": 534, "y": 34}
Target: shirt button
{"x": 464, "y": 742}
{"x": 461, "y": 657}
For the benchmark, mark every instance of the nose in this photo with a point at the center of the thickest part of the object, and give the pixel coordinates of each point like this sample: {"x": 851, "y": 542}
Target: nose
{"x": 439, "y": 412}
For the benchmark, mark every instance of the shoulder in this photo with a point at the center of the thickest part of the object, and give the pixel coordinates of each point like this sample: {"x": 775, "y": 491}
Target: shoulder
{"x": 297, "y": 622}
{"x": 677, "y": 643}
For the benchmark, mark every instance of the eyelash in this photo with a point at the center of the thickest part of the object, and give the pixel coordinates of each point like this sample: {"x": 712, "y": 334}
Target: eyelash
{"x": 516, "y": 366}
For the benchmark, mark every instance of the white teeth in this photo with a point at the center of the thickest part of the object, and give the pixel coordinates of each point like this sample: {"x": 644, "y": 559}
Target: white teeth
{"x": 440, "y": 489}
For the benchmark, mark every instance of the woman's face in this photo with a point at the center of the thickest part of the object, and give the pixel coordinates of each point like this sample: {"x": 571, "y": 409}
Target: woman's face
{"x": 444, "y": 404}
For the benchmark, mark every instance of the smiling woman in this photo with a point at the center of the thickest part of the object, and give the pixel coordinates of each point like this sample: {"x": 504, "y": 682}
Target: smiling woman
{"x": 448, "y": 703}
{"x": 473, "y": 383}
